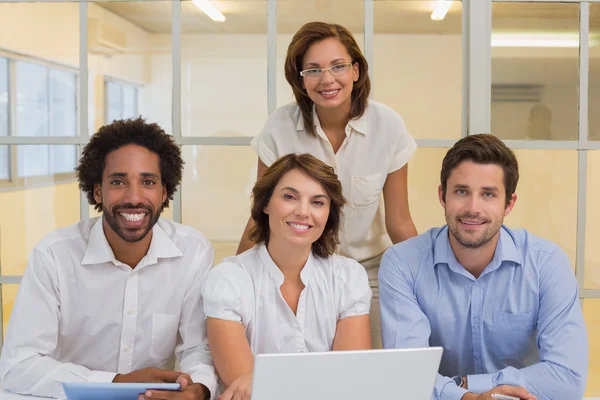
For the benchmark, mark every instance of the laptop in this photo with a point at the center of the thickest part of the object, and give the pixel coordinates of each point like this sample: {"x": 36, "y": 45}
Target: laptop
{"x": 347, "y": 375}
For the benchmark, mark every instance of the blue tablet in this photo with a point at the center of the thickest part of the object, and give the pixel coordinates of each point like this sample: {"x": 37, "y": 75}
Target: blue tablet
{"x": 112, "y": 391}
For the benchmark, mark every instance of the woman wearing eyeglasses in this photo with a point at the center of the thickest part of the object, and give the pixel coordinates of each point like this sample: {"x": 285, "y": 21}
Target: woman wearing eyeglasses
{"x": 365, "y": 142}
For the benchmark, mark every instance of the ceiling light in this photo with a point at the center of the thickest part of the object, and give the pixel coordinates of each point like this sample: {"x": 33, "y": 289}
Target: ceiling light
{"x": 534, "y": 40}
{"x": 209, "y": 10}
{"x": 441, "y": 9}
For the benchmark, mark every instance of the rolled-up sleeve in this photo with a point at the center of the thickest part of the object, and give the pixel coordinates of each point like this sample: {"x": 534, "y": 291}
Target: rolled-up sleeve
{"x": 227, "y": 293}
{"x": 355, "y": 290}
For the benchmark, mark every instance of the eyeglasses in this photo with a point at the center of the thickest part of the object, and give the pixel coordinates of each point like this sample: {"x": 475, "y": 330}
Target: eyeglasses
{"x": 335, "y": 70}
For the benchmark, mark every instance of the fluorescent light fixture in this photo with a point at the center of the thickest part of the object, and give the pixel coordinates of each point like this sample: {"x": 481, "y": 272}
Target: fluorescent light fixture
{"x": 534, "y": 40}
{"x": 209, "y": 10}
{"x": 441, "y": 9}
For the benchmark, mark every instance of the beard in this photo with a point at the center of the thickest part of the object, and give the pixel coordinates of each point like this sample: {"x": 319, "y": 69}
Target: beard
{"x": 130, "y": 235}
{"x": 472, "y": 240}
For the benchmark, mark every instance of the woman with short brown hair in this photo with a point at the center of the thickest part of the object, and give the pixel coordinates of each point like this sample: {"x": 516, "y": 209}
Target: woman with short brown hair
{"x": 290, "y": 293}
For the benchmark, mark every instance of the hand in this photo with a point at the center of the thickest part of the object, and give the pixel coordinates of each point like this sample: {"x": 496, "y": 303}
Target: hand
{"x": 514, "y": 391}
{"x": 240, "y": 389}
{"x": 148, "y": 375}
{"x": 189, "y": 391}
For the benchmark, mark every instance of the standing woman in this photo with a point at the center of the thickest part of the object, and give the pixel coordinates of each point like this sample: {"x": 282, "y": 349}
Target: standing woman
{"x": 365, "y": 142}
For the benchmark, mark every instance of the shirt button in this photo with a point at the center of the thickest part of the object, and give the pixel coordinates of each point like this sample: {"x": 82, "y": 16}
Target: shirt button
{"x": 126, "y": 349}
{"x": 130, "y": 311}
{"x": 476, "y": 320}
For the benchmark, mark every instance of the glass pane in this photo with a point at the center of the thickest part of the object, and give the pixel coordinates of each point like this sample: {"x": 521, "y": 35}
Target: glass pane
{"x": 592, "y": 234}
{"x": 594, "y": 74}
{"x": 9, "y": 294}
{"x": 423, "y": 181}
{"x": 591, "y": 313}
{"x": 114, "y": 104}
{"x": 3, "y": 96}
{"x": 32, "y": 99}
{"x": 228, "y": 173}
{"x": 63, "y": 103}
{"x": 292, "y": 14}
{"x": 63, "y": 159}
{"x": 137, "y": 51}
{"x": 4, "y": 163}
{"x": 431, "y": 81}
{"x": 547, "y": 197}
{"x": 129, "y": 102}
{"x": 31, "y": 210}
{"x": 224, "y": 69}
{"x": 4, "y": 159}
{"x": 50, "y": 32}
{"x": 33, "y": 160}
{"x": 535, "y": 70}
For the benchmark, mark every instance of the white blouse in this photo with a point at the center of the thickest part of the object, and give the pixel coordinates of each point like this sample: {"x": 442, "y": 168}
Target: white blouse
{"x": 376, "y": 145}
{"x": 245, "y": 289}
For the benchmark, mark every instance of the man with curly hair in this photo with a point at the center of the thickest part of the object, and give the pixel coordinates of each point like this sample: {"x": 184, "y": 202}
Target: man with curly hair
{"x": 113, "y": 298}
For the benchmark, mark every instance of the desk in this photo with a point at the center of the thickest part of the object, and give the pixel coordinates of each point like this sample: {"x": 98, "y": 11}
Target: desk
{"x": 11, "y": 396}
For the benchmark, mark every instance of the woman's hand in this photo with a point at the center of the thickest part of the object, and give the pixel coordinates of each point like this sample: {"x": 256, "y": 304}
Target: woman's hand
{"x": 240, "y": 389}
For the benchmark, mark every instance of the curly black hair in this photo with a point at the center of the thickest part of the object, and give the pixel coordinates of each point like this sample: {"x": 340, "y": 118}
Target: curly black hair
{"x": 121, "y": 133}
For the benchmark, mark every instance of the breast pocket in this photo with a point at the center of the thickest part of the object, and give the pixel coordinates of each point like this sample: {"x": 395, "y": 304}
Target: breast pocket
{"x": 512, "y": 334}
{"x": 164, "y": 335}
{"x": 366, "y": 190}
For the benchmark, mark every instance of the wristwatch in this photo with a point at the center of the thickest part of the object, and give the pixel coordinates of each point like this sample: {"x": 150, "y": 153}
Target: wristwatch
{"x": 459, "y": 380}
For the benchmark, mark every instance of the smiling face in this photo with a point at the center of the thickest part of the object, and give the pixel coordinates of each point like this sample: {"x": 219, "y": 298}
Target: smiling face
{"x": 329, "y": 91}
{"x": 298, "y": 210}
{"x": 475, "y": 204}
{"x": 131, "y": 192}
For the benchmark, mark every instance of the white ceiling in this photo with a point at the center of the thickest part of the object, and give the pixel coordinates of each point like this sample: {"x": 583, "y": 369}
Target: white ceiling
{"x": 391, "y": 16}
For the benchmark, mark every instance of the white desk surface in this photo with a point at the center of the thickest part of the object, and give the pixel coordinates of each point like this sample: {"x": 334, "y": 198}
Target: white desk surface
{"x": 4, "y": 395}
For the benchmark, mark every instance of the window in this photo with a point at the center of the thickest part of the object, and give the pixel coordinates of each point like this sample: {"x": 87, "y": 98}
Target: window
{"x": 46, "y": 103}
{"x": 121, "y": 101}
{"x": 4, "y": 159}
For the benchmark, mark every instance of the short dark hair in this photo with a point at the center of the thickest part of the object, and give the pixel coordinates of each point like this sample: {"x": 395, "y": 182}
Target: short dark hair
{"x": 319, "y": 171}
{"x": 483, "y": 148}
{"x": 313, "y": 32}
{"x": 121, "y": 133}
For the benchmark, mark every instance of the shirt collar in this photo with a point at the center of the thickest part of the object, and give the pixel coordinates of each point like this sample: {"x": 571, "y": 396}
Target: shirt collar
{"x": 358, "y": 124}
{"x": 98, "y": 250}
{"x": 506, "y": 250}
{"x": 275, "y": 272}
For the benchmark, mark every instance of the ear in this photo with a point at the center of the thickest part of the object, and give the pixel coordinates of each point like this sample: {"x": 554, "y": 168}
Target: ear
{"x": 355, "y": 72}
{"x": 164, "y": 195}
{"x": 511, "y": 204}
{"x": 98, "y": 193}
{"x": 441, "y": 196}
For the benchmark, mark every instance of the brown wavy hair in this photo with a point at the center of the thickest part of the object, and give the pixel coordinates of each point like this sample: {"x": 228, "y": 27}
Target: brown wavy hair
{"x": 483, "y": 148}
{"x": 319, "y": 171}
{"x": 307, "y": 35}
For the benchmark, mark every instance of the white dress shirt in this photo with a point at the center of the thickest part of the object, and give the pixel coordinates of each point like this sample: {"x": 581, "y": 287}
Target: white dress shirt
{"x": 246, "y": 289}
{"x": 376, "y": 145}
{"x": 81, "y": 315}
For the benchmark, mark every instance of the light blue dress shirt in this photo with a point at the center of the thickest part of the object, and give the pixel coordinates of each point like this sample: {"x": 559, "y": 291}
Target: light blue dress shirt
{"x": 520, "y": 323}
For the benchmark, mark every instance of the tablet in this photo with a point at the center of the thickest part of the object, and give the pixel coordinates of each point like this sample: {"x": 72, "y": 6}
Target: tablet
{"x": 112, "y": 391}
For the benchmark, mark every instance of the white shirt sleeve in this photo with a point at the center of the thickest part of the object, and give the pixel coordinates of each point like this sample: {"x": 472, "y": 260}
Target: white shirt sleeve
{"x": 228, "y": 293}
{"x": 355, "y": 292}
{"x": 32, "y": 335}
{"x": 405, "y": 144}
{"x": 264, "y": 143}
{"x": 192, "y": 347}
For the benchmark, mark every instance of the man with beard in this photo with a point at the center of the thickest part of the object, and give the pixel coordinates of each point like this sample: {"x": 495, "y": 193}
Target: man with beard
{"x": 112, "y": 299}
{"x": 501, "y": 302}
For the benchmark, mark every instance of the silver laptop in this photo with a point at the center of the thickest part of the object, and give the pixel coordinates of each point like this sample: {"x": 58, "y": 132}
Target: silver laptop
{"x": 347, "y": 375}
